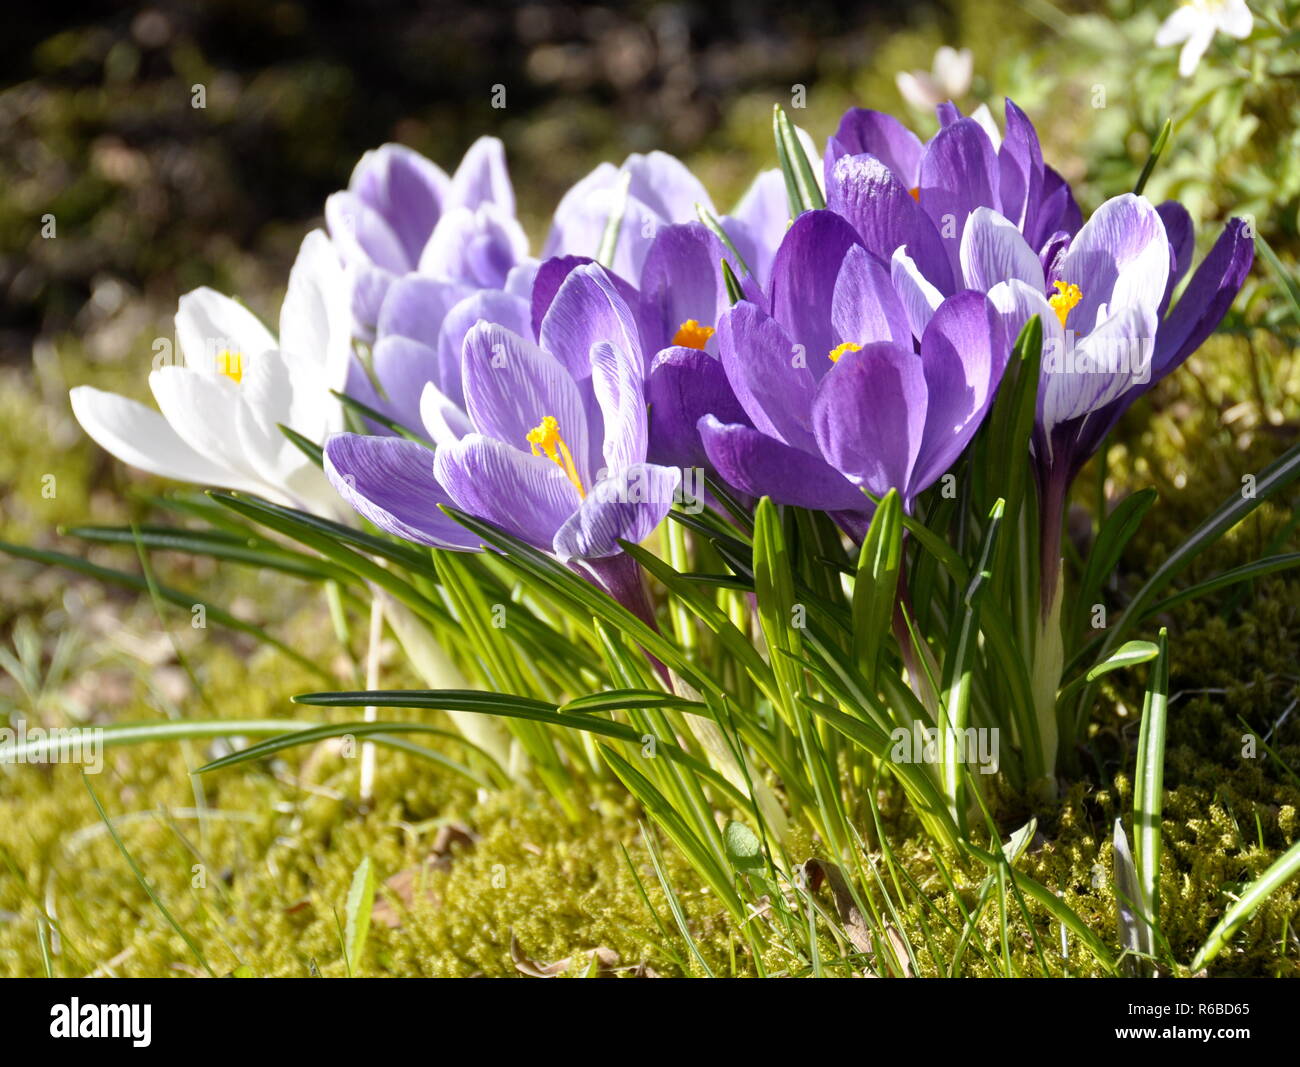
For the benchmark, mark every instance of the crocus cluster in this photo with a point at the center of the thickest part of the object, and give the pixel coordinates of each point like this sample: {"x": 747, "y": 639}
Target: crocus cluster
{"x": 821, "y": 359}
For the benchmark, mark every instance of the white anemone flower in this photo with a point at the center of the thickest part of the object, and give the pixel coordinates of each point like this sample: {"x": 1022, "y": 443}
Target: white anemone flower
{"x": 221, "y": 405}
{"x": 948, "y": 79}
{"x": 1195, "y": 23}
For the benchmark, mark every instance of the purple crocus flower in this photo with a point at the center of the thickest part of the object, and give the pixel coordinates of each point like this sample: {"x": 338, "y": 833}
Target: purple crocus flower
{"x": 657, "y": 190}
{"x": 838, "y": 396}
{"x": 552, "y": 449}
{"x": 902, "y": 194}
{"x": 402, "y": 212}
{"x": 1101, "y": 297}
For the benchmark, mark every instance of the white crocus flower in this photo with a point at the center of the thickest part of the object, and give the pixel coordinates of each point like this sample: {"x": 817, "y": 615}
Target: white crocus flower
{"x": 948, "y": 79}
{"x": 219, "y": 409}
{"x": 1196, "y": 23}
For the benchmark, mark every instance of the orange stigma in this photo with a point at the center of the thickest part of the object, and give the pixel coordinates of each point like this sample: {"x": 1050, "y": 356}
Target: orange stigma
{"x": 690, "y": 334}
{"x": 1067, "y": 297}
{"x": 545, "y": 439}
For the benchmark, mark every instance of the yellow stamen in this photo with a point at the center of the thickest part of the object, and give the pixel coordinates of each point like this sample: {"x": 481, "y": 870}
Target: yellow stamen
{"x": 848, "y": 346}
{"x": 545, "y": 439}
{"x": 690, "y": 334}
{"x": 1067, "y": 296}
{"x": 231, "y": 364}
{"x": 916, "y": 193}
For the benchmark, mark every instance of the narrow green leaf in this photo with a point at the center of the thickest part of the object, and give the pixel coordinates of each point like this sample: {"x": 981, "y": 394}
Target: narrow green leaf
{"x": 875, "y": 589}
{"x": 145, "y": 883}
{"x": 1161, "y": 140}
{"x": 1278, "y": 874}
{"x": 307, "y": 447}
{"x": 172, "y": 596}
{"x": 361, "y": 900}
{"x": 1149, "y": 786}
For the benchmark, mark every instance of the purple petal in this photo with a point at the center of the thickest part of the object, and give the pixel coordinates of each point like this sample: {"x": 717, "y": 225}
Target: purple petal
{"x": 964, "y": 353}
{"x": 870, "y": 196}
{"x": 1120, "y": 257}
{"x": 685, "y": 385}
{"x": 487, "y": 305}
{"x": 768, "y": 374}
{"x": 681, "y": 279}
{"x": 665, "y": 185}
{"x": 406, "y": 190}
{"x": 1020, "y": 170}
{"x": 624, "y": 507}
{"x": 870, "y": 416}
{"x": 618, "y": 381}
{"x": 364, "y": 236}
{"x": 390, "y": 481}
{"x": 1206, "y": 299}
{"x": 1182, "y": 241}
{"x": 874, "y": 133}
{"x": 586, "y": 309}
{"x": 511, "y": 385}
{"x": 803, "y": 283}
{"x": 415, "y": 307}
{"x": 959, "y": 172}
{"x": 993, "y": 251}
{"x": 482, "y": 177}
{"x": 759, "y": 465}
{"x": 759, "y": 222}
{"x": 480, "y": 247}
{"x": 403, "y": 367}
{"x": 527, "y": 496}
{"x": 864, "y": 306}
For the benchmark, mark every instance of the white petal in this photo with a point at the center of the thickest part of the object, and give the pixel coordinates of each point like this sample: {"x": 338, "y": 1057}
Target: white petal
{"x": 1179, "y": 26}
{"x": 918, "y": 89}
{"x": 1236, "y": 20}
{"x": 1190, "y": 57}
{"x": 141, "y": 438}
{"x": 993, "y": 250}
{"x": 208, "y": 324}
{"x": 443, "y": 419}
{"x": 315, "y": 319}
{"x": 989, "y": 124}
{"x": 204, "y": 410}
{"x": 919, "y": 297}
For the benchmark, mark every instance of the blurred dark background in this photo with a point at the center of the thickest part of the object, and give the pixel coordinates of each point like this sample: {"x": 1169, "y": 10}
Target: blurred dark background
{"x": 152, "y": 196}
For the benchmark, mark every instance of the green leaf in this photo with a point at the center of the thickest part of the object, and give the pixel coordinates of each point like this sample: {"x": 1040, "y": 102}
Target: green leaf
{"x": 734, "y": 291}
{"x": 800, "y": 182}
{"x": 622, "y": 699}
{"x": 1161, "y": 140}
{"x": 172, "y": 596}
{"x": 1279, "y": 873}
{"x": 351, "y": 403}
{"x": 614, "y": 224}
{"x": 1149, "y": 788}
{"x": 318, "y": 535}
{"x": 1131, "y": 907}
{"x": 218, "y": 544}
{"x": 711, "y": 221}
{"x": 1244, "y": 573}
{"x": 510, "y": 707}
{"x": 959, "y": 667}
{"x": 379, "y": 732}
{"x": 1274, "y": 478}
{"x": 144, "y": 882}
{"x": 875, "y": 589}
{"x": 307, "y": 447}
{"x": 744, "y": 849}
{"x": 361, "y": 900}
{"x": 1114, "y": 535}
